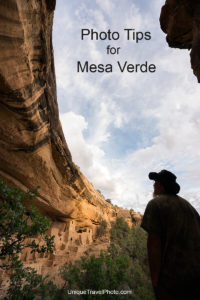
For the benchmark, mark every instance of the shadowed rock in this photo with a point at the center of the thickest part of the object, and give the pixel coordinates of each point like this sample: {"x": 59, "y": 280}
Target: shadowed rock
{"x": 180, "y": 20}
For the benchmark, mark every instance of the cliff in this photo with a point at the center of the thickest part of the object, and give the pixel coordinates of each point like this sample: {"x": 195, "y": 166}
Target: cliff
{"x": 33, "y": 150}
{"x": 180, "y": 20}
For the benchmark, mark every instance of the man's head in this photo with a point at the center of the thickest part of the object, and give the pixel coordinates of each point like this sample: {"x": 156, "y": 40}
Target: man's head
{"x": 165, "y": 183}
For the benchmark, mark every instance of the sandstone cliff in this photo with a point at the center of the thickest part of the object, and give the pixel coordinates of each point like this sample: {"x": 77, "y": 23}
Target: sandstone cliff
{"x": 180, "y": 20}
{"x": 33, "y": 150}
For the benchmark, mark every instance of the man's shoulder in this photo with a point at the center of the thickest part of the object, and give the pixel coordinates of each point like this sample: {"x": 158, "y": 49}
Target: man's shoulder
{"x": 165, "y": 202}
{"x": 160, "y": 199}
{"x": 151, "y": 217}
{"x": 166, "y": 198}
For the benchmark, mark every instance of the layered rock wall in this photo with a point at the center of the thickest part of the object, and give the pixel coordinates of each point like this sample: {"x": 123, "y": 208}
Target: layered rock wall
{"x": 180, "y": 20}
{"x": 33, "y": 150}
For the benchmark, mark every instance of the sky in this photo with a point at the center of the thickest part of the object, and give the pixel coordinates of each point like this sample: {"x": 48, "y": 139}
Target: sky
{"x": 120, "y": 126}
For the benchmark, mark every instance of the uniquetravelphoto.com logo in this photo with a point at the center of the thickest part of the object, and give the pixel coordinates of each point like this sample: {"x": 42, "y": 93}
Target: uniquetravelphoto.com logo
{"x": 100, "y": 292}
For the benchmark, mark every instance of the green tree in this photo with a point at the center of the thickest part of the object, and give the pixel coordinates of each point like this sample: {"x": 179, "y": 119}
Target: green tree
{"x": 109, "y": 201}
{"x": 96, "y": 273}
{"x": 120, "y": 234}
{"x": 132, "y": 242}
{"x": 102, "y": 228}
{"x": 18, "y": 226}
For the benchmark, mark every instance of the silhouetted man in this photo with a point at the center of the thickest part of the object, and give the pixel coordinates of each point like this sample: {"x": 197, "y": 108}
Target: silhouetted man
{"x": 173, "y": 245}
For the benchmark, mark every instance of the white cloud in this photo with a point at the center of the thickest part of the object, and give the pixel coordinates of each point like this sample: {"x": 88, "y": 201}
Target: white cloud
{"x": 88, "y": 156}
{"x": 107, "y": 6}
{"x": 83, "y": 154}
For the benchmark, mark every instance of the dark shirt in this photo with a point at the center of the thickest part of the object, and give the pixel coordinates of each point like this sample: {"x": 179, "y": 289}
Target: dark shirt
{"x": 177, "y": 223}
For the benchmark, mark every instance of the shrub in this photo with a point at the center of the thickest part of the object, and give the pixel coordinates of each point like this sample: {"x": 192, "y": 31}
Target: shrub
{"x": 109, "y": 201}
{"x": 102, "y": 228}
{"x": 18, "y": 226}
{"x": 132, "y": 242}
{"x": 96, "y": 273}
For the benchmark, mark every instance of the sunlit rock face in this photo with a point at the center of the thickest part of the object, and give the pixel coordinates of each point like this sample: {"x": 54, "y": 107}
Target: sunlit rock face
{"x": 33, "y": 150}
{"x": 180, "y": 20}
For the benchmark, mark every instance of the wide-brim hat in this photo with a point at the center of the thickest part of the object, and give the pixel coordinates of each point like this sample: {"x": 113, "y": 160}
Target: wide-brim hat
{"x": 167, "y": 179}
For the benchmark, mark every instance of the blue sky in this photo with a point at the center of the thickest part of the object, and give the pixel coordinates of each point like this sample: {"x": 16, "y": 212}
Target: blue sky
{"x": 121, "y": 126}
